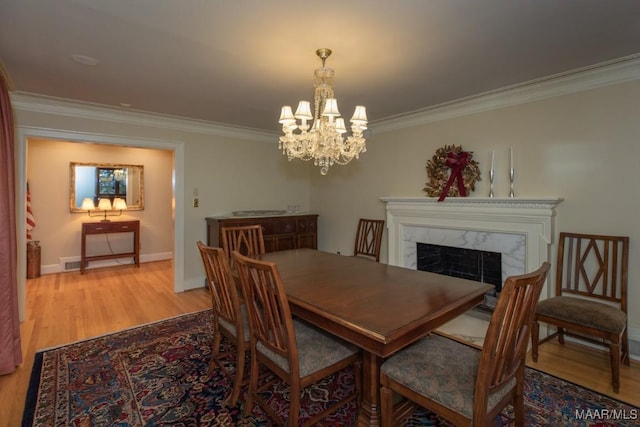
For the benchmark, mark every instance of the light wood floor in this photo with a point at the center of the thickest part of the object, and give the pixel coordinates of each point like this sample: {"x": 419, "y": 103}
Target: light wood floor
{"x": 67, "y": 307}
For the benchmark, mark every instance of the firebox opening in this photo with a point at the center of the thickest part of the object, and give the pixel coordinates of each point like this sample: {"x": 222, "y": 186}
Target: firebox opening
{"x": 470, "y": 264}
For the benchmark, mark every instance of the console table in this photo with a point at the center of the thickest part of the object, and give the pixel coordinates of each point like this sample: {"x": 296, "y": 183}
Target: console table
{"x": 280, "y": 232}
{"x": 110, "y": 227}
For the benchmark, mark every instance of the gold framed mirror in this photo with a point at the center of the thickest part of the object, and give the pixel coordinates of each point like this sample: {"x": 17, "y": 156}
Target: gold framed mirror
{"x": 96, "y": 181}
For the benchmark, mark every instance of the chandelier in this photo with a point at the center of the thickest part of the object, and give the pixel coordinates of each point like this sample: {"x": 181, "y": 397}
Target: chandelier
{"x": 323, "y": 139}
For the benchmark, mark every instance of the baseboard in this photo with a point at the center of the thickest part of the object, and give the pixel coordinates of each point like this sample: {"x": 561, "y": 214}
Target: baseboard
{"x": 197, "y": 283}
{"x": 67, "y": 264}
{"x": 634, "y": 346}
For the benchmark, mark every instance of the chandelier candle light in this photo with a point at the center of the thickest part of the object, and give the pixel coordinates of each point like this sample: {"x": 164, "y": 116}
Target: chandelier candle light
{"x": 322, "y": 140}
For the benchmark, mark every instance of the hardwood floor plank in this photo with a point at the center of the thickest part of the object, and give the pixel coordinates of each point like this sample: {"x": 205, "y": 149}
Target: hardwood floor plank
{"x": 589, "y": 368}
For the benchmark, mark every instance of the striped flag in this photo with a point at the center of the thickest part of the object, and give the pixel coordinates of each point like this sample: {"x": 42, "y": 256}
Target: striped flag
{"x": 31, "y": 221}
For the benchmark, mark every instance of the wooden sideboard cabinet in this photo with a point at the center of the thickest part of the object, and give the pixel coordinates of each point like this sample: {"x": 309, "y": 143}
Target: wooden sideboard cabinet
{"x": 108, "y": 227}
{"x": 280, "y": 232}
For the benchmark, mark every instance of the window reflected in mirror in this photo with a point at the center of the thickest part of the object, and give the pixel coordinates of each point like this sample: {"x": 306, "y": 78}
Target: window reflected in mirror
{"x": 97, "y": 181}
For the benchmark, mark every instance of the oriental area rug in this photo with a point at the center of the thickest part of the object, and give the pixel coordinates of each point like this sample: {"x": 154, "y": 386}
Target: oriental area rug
{"x": 155, "y": 375}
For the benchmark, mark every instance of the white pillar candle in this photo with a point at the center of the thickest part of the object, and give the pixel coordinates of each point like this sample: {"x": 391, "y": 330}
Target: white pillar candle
{"x": 511, "y": 154}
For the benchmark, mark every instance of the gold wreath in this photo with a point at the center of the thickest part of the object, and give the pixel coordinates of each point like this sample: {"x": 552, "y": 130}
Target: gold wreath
{"x": 438, "y": 173}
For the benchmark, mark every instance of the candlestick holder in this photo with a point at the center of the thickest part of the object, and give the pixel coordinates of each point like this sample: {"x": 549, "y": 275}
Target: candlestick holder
{"x": 511, "y": 177}
{"x": 491, "y": 176}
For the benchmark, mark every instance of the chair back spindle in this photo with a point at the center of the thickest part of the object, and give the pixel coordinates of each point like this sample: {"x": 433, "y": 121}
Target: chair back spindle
{"x": 369, "y": 238}
{"x": 593, "y": 266}
{"x": 269, "y": 313}
{"x": 508, "y": 333}
{"x": 246, "y": 239}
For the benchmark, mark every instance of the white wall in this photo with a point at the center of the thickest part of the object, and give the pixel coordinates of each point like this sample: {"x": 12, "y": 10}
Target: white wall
{"x": 583, "y": 147}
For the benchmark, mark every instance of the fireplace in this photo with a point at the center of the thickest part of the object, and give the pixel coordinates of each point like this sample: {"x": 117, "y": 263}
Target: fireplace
{"x": 518, "y": 229}
{"x": 470, "y": 264}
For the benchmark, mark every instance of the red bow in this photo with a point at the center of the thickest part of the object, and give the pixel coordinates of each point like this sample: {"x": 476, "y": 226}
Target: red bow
{"x": 457, "y": 162}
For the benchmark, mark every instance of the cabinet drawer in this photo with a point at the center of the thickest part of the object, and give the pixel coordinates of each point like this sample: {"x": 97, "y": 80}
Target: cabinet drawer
{"x": 121, "y": 227}
{"x": 307, "y": 225}
{"x": 97, "y": 228}
{"x": 285, "y": 226}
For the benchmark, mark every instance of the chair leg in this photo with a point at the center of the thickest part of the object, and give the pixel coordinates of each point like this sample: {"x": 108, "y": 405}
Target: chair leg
{"x": 518, "y": 400}
{"x": 237, "y": 383}
{"x": 253, "y": 385}
{"x": 614, "y": 351}
{"x": 386, "y": 406}
{"x": 625, "y": 348}
{"x": 535, "y": 335}
{"x": 215, "y": 351}
{"x": 294, "y": 406}
{"x": 357, "y": 371}
{"x": 561, "y": 335}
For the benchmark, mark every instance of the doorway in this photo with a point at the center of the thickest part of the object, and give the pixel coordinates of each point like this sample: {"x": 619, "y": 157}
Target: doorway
{"x": 24, "y": 134}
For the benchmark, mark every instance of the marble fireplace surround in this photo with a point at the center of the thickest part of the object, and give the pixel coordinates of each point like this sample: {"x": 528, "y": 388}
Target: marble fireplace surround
{"x": 521, "y": 229}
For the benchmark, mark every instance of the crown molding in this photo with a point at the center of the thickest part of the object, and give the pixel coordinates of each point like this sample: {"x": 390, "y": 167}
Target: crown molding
{"x": 617, "y": 71}
{"x": 62, "y": 107}
{"x": 621, "y": 70}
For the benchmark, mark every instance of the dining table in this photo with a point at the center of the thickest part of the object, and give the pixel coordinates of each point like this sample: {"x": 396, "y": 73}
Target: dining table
{"x": 378, "y": 307}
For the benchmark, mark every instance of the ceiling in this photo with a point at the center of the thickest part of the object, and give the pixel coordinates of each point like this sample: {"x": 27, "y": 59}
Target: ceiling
{"x": 238, "y": 61}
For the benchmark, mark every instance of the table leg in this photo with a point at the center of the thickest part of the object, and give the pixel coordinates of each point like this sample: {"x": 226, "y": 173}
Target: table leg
{"x": 370, "y": 401}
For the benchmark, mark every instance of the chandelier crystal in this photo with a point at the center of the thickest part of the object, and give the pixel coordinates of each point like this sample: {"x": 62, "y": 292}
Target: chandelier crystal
{"x": 323, "y": 139}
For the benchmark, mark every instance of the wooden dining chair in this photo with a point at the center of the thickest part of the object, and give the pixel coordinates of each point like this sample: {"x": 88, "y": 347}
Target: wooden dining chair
{"x": 463, "y": 384}
{"x": 590, "y": 301}
{"x": 230, "y": 318}
{"x": 246, "y": 239}
{"x": 296, "y": 352}
{"x": 369, "y": 238}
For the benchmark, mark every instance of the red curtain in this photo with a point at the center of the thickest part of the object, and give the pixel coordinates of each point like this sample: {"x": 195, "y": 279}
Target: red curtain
{"x": 10, "y": 348}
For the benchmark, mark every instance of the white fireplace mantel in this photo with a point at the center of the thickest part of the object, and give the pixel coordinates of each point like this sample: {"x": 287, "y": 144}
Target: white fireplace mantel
{"x": 476, "y": 203}
{"x": 532, "y": 218}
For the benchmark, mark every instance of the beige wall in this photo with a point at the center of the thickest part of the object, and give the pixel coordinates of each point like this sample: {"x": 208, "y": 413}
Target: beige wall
{"x": 583, "y": 147}
{"x": 58, "y": 229}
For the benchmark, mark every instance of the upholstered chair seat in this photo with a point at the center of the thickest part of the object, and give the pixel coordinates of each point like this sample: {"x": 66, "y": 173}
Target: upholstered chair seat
{"x": 231, "y": 328}
{"x": 316, "y": 350}
{"x": 445, "y": 370}
{"x": 591, "y": 314}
